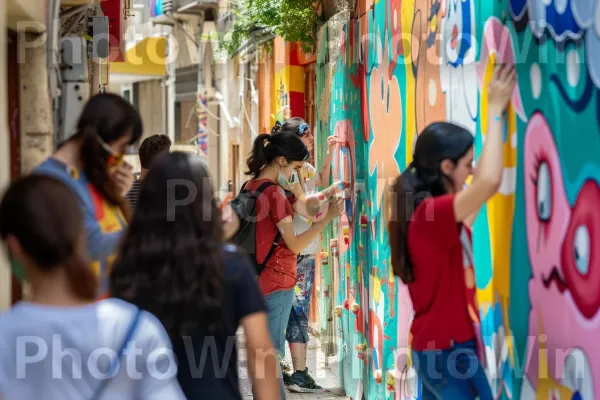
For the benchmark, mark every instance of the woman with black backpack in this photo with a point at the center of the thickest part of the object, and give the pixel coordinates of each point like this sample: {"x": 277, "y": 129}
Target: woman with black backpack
{"x": 274, "y": 164}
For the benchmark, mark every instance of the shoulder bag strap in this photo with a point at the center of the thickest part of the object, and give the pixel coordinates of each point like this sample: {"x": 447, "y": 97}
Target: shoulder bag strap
{"x": 116, "y": 361}
{"x": 278, "y": 237}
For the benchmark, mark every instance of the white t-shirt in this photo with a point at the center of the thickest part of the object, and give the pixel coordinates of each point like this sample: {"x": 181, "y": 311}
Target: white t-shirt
{"x": 307, "y": 177}
{"x": 60, "y": 353}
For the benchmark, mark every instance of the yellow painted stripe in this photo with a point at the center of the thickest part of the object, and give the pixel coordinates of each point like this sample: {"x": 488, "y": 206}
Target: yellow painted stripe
{"x": 296, "y": 79}
{"x": 410, "y": 125}
{"x": 148, "y": 57}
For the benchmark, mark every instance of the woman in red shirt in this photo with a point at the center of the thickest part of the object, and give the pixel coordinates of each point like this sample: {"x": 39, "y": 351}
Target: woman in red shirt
{"x": 279, "y": 158}
{"x": 431, "y": 247}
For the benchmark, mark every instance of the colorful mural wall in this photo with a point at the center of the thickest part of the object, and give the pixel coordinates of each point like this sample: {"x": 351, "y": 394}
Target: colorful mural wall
{"x": 399, "y": 65}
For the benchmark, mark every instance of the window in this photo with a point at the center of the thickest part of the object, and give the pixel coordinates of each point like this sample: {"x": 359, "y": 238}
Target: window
{"x": 130, "y": 93}
{"x": 127, "y": 95}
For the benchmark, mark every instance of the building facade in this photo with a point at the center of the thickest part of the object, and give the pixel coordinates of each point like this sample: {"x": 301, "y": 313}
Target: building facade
{"x": 39, "y": 111}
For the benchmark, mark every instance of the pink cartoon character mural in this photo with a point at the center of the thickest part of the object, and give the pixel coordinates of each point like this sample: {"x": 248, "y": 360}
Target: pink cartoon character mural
{"x": 564, "y": 251}
{"x": 345, "y": 172}
{"x": 385, "y": 114}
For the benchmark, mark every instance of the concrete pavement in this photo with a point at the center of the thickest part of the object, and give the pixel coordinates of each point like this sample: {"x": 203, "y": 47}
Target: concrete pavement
{"x": 323, "y": 370}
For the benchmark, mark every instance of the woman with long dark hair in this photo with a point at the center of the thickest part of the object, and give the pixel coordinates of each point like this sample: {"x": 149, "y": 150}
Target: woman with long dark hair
{"x": 432, "y": 252}
{"x": 67, "y": 333}
{"x": 277, "y": 160}
{"x": 91, "y": 164}
{"x": 174, "y": 263}
{"x": 306, "y": 188}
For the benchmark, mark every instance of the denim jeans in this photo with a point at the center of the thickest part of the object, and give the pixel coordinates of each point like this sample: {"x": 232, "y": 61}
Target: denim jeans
{"x": 279, "y": 304}
{"x": 455, "y": 373}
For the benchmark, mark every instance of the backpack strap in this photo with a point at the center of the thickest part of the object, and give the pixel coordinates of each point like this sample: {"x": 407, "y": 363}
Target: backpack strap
{"x": 278, "y": 236}
{"x": 114, "y": 368}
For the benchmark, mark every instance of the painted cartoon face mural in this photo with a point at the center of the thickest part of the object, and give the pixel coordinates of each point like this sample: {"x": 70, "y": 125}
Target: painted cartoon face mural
{"x": 535, "y": 242}
{"x": 385, "y": 113}
{"x": 458, "y": 67}
{"x": 564, "y": 243}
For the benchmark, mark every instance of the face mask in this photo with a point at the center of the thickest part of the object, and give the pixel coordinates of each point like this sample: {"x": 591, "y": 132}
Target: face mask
{"x": 283, "y": 181}
{"x": 17, "y": 269}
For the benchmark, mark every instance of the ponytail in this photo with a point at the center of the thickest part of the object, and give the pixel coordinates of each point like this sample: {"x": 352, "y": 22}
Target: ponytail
{"x": 267, "y": 148}
{"x": 413, "y": 186}
{"x": 95, "y": 165}
{"x": 398, "y": 231}
{"x": 81, "y": 279}
{"x": 258, "y": 158}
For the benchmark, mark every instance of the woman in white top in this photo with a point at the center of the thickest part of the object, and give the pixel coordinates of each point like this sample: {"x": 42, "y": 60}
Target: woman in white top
{"x": 297, "y": 330}
{"x": 62, "y": 344}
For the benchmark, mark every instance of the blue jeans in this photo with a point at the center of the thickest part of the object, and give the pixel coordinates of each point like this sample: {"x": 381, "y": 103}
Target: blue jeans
{"x": 279, "y": 304}
{"x": 455, "y": 373}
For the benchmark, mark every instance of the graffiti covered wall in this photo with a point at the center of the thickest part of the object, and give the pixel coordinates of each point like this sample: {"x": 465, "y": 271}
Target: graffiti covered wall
{"x": 402, "y": 64}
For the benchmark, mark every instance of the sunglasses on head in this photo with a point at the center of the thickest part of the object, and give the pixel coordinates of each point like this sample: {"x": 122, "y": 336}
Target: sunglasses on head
{"x": 303, "y": 129}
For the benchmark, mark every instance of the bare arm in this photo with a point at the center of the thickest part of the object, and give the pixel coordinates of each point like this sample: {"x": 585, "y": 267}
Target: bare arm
{"x": 262, "y": 357}
{"x": 488, "y": 174}
{"x": 297, "y": 243}
{"x": 231, "y": 223}
{"x": 310, "y": 206}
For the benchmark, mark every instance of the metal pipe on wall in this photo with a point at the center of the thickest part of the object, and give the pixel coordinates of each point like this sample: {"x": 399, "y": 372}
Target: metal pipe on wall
{"x": 53, "y": 62}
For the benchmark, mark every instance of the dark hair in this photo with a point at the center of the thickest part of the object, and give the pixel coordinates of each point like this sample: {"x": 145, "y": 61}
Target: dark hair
{"x": 44, "y": 215}
{"x": 438, "y": 142}
{"x": 267, "y": 148}
{"x": 108, "y": 117}
{"x": 151, "y": 147}
{"x": 170, "y": 262}
{"x": 295, "y": 125}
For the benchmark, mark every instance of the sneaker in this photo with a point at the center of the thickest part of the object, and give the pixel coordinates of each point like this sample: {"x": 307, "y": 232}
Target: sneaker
{"x": 302, "y": 382}
{"x": 287, "y": 379}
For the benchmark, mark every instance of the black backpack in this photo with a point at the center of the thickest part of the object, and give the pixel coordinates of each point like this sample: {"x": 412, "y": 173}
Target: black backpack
{"x": 244, "y": 206}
